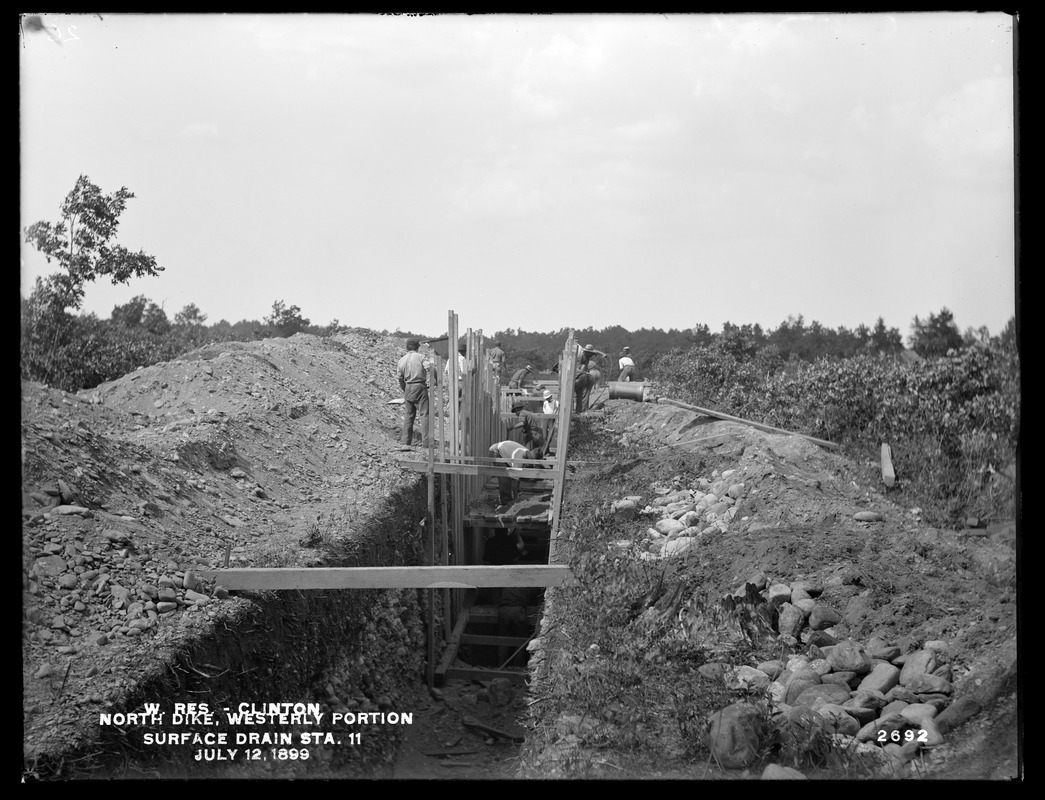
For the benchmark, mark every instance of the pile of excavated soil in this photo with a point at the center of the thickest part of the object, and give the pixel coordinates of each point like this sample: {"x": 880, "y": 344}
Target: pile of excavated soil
{"x": 271, "y": 453}
{"x": 807, "y": 515}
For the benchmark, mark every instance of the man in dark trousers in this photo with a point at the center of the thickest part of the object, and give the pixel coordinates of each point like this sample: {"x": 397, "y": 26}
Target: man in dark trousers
{"x": 582, "y": 386}
{"x": 496, "y": 357}
{"x": 509, "y": 451}
{"x": 413, "y": 380}
{"x": 519, "y": 377}
{"x": 626, "y": 364}
{"x": 526, "y": 428}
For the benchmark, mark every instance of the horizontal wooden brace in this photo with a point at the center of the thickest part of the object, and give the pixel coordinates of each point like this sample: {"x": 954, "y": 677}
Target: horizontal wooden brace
{"x": 507, "y": 641}
{"x": 456, "y": 577}
{"x": 488, "y": 470}
{"x": 478, "y": 674}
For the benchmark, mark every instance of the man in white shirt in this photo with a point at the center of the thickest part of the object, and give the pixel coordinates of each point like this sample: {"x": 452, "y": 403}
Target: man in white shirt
{"x": 413, "y": 380}
{"x": 507, "y": 487}
{"x": 626, "y": 365}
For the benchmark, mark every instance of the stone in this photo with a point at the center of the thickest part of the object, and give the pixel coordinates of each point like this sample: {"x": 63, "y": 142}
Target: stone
{"x": 813, "y": 588}
{"x": 821, "y": 639}
{"x": 839, "y": 720}
{"x": 68, "y": 580}
{"x": 956, "y": 713}
{"x": 745, "y": 677}
{"x": 822, "y": 617}
{"x": 925, "y": 684}
{"x": 901, "y": 693}
{"x": 881, "y": 678}
{"x": 851, "y": 656}
{"x": 791, "y": 620}
{"x": 799, "y": 681}
{"x": 779, "y": 594}
{"x": 50, "y": 566}
{"x": 829, "y": 692}
{"x": 933, "y": 736}
{"x": 861, "y": 715}
{"x": 807, "y": 604}
{"x": 844, "y": 678}
{"x": 678, "y": 546}
{"x": 885, "y": 653}
{"x": 917, "y": 663}
{"x": 626, "y": 509}
{"x": 915, "y": 713}
{"x": 895, "y": 707}
{"x": 864, "y": 698}
{"x": 735, "y": 735}
{"x": 868, "y": 516}
{"x": 666, "y": 527}
{"x": 869, "y": 732}
{"x": 771, "y": 668}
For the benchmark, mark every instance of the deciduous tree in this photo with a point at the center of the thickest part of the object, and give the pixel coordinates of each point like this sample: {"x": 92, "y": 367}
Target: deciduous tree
{"x": 81, "y": 243}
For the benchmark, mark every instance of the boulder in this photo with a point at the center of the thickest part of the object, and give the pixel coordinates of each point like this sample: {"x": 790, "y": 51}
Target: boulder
{"x": 735, "y": 735}
{"x": 850, "y": 656}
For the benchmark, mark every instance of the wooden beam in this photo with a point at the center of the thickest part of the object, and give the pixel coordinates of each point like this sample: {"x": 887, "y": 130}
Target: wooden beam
{"x": 479, "y": 638}
{"x": 479, "y": 674}
{"x": 456, "y": 577}
{"x": 486, "y": 470}
{"x": 719, "y": 415}
{"x": 450, "y": 653}
{"x": 566, "y": 373}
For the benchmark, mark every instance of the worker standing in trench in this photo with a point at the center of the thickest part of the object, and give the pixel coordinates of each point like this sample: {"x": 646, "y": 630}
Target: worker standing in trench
{"x": 413, "y": 371}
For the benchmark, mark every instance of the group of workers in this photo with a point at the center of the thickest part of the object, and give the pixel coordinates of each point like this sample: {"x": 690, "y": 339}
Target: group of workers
{"x": 413, "y": 371}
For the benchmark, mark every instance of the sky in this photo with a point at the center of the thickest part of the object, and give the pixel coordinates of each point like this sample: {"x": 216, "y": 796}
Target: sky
{"x": 538, "y": 172}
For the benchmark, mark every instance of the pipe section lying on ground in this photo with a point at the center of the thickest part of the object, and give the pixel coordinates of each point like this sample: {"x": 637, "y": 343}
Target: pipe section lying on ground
{"x": 626, "y": 390}
{"x": 709, "y": 413}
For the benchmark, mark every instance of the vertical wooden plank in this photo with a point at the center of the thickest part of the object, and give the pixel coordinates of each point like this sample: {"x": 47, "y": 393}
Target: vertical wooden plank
{"x": 457, "y": 492}
{"x": 449, "y": 615}
{"x": 566, "y": 375}
{"x": 433, "y": 409}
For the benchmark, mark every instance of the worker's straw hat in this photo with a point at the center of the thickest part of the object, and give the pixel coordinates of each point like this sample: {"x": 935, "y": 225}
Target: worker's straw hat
{"x": 626, "y": 349}
{"x": 547, "y": 395}
{"x": 589, "y": 348}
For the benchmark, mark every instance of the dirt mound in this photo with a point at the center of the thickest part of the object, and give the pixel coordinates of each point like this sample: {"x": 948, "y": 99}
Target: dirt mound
{"x": 251, "y": 454}
{"x": 808, "y": 515}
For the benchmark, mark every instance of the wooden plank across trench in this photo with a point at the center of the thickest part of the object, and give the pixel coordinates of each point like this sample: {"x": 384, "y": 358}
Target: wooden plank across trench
{"x": 486, "y": 470}
{"x": 438, "y": 577}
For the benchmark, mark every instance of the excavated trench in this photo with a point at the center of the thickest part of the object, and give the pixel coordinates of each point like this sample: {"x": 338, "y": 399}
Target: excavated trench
{"x": 358, "y": 654}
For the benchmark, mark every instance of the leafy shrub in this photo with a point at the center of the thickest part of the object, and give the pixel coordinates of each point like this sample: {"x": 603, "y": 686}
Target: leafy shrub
{"x": 951, "y": 422}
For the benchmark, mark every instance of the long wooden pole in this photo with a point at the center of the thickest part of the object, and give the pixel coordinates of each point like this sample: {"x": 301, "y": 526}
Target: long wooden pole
{"x": 430, "y": 530}
{"x": 566, "y": 370}
{"x": 718, "y": 414}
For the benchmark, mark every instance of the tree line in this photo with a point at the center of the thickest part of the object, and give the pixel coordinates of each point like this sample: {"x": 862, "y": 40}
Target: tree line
{"x": 70, "y": 350}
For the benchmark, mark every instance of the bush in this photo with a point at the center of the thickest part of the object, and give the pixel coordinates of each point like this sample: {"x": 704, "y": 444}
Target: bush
{"x": 952, "y": 422}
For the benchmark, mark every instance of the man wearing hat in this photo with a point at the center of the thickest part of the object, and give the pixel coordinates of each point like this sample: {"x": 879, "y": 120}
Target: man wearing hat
{"x": 413, "y": 380}
{"x": 526, "y": 429}
{"x": 585, "y": 355}
{"x": 625, "y": 364}
{"x": 495, "y": 355}
{"x": 551, "y": 406}
{"x": 519, "y": 378}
